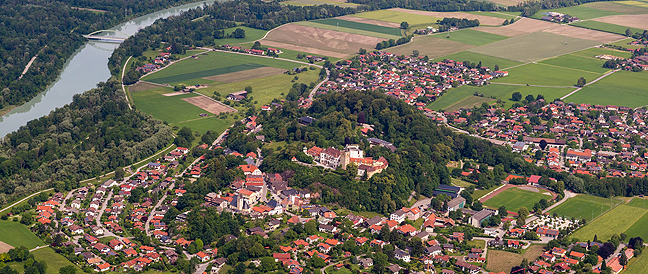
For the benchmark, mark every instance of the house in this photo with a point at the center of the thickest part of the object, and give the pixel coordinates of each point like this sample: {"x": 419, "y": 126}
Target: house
{"x": 464, "y": 266}
{"x": 103, "y": 267}
{"x": 116, "y": 244}
{"x": 237, "y": 96}
{"x": 366, "y": 262}
{"x": 402, "y": 255}
{"x": 546, "y": 232}
{"x": 434, "y": 250}
{"x": 204, "y": 257}
{"x": 327, "y": 228}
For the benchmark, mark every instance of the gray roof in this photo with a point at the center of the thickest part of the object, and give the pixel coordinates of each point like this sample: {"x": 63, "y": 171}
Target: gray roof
{"x": 482, "y": 214}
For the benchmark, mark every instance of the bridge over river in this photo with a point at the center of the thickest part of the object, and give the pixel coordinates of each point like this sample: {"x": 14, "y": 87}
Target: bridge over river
{"x": 113, "y": 39}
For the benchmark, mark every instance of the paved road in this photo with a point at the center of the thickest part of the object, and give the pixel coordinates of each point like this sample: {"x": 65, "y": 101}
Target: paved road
{"x": 148, "y": 221}
{"x": 98, "y": 218}
{"x": 568, "y": 194}
{"x": 122, "y": 82}
{"x": 67, "y": 197}
{"x": 24, "y": 199}
{"x": 595, "y": 80}
{"x": 312, "y": 93}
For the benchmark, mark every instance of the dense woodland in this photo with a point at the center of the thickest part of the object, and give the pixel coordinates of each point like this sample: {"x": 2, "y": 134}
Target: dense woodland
{"x": 53, "y": 30}
{"x": 94, "y": 134}
{"x": 431, "y": 5}
{"x": 184, "y": 30}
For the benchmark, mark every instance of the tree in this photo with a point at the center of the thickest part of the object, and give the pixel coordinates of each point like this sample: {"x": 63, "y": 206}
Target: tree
{"x": 68, "y": 269}
{"x": 529, "y": 98}
{"x": 239, "y": 33}
{"x": 257, "y": 45}
{"x": 516, "y": 96}
{"x": 628, "y": 33}
{"x": 523, "y": 211}
{"x": 362, "y": 51}
{"x": 543, "y": 144}
{"x": 624, "y": 259}
{"x": 415, "y": 53}
{"x": 581, "y": 82}
{"x": 496, "y": 67}
{"x": 119, "y": 173}
{"x": 404, "y": 25}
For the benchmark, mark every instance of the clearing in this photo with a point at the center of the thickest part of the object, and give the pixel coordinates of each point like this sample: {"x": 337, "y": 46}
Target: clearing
{"x": 431, "y": 45}
{"x": 615, "y": 221}
{"x": 534, "y": 46}
{"x": 623, "y": 88}
{"x": 514, "y": 198}
{"x": 584, "y": 206}
{"x": 502, "y": 261}
{"x": 17, "y": 234}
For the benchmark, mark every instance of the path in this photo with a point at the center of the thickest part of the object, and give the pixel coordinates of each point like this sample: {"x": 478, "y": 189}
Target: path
{"x": 122, "y": 82}
{"x": 568, "y": 194}
{"x": 587, "y": 84}
{"x": 27, "y": 66}
{"x": 312, "y": 93}
{"x": 24, "y": 199}
{"x": 38, "y": 247}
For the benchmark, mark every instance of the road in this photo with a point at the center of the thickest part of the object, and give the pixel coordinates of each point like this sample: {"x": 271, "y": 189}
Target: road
{"x": 24, "y": 199}
{"x": 312, "y": 93}
{"x": 568, "y": 194}
{"x": 148, "y": 221}
{"x": 67, "y": 197}
{"x": 595, "y": 80}
{"x": 107, "y": 232}
{"x": 122, "y": 82}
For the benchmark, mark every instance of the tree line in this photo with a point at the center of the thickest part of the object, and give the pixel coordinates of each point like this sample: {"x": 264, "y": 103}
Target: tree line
{"x": 431, "y": 5}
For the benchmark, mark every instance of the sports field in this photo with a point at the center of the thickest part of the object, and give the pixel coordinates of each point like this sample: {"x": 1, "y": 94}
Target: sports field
{"x": 615, "y": 221}
{"x": 502, "y": 92}
{"x": 546, "y": 75}
{"x": 623, "y": 88}
{"x": 502, "y": 261}
{"x": 343, "y": 28}
{"x": 472, "y": 37}
{"x": 414, "y": 20}
{"x": 584, "y": 207}
{"x": 534, "y": 46}
{"x": 515, "y": 198}
{"x": 191, "y": 71}
{"x": 431, "y": 45}
{"x": 16, "y": 234}
{"x": 607, "y": 27}
{"x": 486, "y": 60}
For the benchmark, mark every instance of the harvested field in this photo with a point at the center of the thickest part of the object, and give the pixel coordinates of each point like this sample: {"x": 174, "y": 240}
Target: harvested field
{"x": 319, "y": 41}
{"x": 4, "y": 248}
{"x": 141, "y": 86}
{"x": 246, "y": 75}
{"x": 499, "y": 261}
{"x": 369, "y": 21}
{"x": 520, "y": 27}
{"x": 639, "y": 21}
{"x": 483, "y": 19}
{"x": 582, "y": 33}
{"x": 208, "y": 104}
{"x": 432, "y": 45}
{"x": 617, "y": 7}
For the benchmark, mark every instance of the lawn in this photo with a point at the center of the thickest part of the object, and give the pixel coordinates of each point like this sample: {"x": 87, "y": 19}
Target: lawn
{"x": 214, "y": 63}
{"x": 534, "y": 46}
{"x": 502, "y": 261}
{"x": 469, "y": 102}
{"x": 16, "y": 235}
{"x": 546, "y": 75}
{"x": 579, "y": 62}
{"x": 214, "y": 124}
{"x": 503, "y": 92}
{"x": 584, "y": 207}
{"x": 316, "y": 24}
{"x": 472, "y": 37}
{"x": 267, "y": 88}
{"x": 623, "y": 88}
{"x": 359, "y": 26}
{"x": 481, "y": 192}
{"x": 461, "y": 183}
{"x": 171, "y": 109}
{"x": 637, "y": 265}
{"x": 431, "y": 45}
{"x": 515, "y": 198}
{"x": 638, "y": 229}
{"x": 250, "y": 35}
{"x": 607, "y": 27}
{"x": 54, "y": 260}
{"x": 615, "y": 221}
{"x": 583, "y": 12}
{"x": 486, "y": 60}
{"x": 639, "y": 202}
{"x": 414, "y": 20}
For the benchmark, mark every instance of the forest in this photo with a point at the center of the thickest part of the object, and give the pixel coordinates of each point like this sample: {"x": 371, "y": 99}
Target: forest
{"x": 529, "y": 8}
{"x": 94, "y": 134}
{"x": 431, "y": 5}
{"x": 184, "y": 30}
{"x": 52, "y": 31}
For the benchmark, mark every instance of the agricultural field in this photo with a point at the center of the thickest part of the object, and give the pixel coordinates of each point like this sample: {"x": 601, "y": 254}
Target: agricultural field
{"x": 472, "y": 37}
{"x": 431, "y": 45}
{"x": 633, "y": 21}
{"x": 578, "y": 62}
{"x": 639, "y": 202}
{"x": 396, "y": 17}
{"x": 622, "y": 88}
{"x": 213, "y": 124}
{"x": 534, "y": 46}
{"x": 192, "y": 71}
{"x": 347, "y": 29}
{"x": 584, "y": 207}
{"x": 603, "y": 26}
{"x": 583, "y": 12}
{"x": 171, "y": 109}
{"x": 486, "y": 60}
{"x": 637, "y": 265}
{"x": 483, "y": 19}
{"x": 520, "y": 27}
{"x": 638, "y": 229}
{"x": 16, "y": 234}
{"x": 615, "y": 221}
{"x": 544, "y": 74}
{"x": 502, "y": 261}
{"x": 622, "y": 7}
{"x": 251, "y": 35}
{"x": 501, "y": 15}
{"x": 515, "y": 198}
{"x": 334, "y": 22}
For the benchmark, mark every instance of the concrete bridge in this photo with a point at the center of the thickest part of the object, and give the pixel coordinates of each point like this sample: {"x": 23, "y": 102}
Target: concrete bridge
{"x": 112, "y": 39}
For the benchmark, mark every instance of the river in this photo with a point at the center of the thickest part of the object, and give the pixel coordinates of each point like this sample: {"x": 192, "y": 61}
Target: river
{"x": 83, "y": 71}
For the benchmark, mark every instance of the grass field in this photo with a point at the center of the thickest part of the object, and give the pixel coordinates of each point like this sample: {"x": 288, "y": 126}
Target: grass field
{"x": 623, "y": 88}
{"x": 16, "y": 234}
{"x": 619, "y": 7}
{"x": 469, "y": 102}
{"x": 578, "y": 62}
{"x": 546, "y": 75}
{"x": 593, "y": 52}
{"x": 637, "y": 265}
{"x": 615, "y": 221}
{"x": 607, "y": 27}
{"x": 494, "y": 14}
{"x": 534, "y": 46}
{"x": 639, "y": 202}
{"x": 515, "y": 198}
{"x": 214, "y": 124}
{"x": 316, "y": 24}
{"x": 638, "y": 229}
{"x": 432, "y": 45}
{"x": 359, "y": 26}
{"x": 641, "y": 4}
{"x": 486, "y": 60}
{"x": 502, "y": 92}
{"x": 481, "y": 192}
{"x": 584, "y": 207}
{"x": 54, "y": 260}
{"x": 502, "y": 261}
{"x": 213, "y": 63}
{"x": 472, "y": 37}
{"x": 250, "y": 35}
{"x": 583, "y": 12}
{"x": 414, "y": 20}
{"x": 171, "y": 109}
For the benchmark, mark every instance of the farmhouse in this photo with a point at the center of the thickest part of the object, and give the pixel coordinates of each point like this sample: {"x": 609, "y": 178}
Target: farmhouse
{"x": 237, "y": 96}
